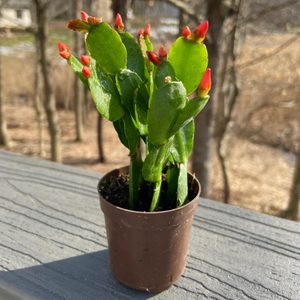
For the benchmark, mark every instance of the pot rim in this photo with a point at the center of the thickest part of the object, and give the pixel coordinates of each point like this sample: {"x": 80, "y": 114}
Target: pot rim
{"x": 149, "y": 212}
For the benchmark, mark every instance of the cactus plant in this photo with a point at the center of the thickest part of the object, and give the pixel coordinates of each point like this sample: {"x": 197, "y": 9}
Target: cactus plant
{"x": 151, "y": 98}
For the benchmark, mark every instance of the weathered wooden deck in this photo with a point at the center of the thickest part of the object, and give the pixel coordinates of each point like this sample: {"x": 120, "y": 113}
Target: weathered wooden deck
{"x": 53, "y": 244}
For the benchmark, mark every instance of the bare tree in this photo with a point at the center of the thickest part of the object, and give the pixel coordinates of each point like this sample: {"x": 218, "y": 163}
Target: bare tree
{"x": 41, "y": 7}
{"x": 293, "y": 207}
{"x": 226, "y": 90}
{"x": 204, "y": 122}
{"x": 78, "y": 90}
{"x": 3, "y": 127}
{"x": 120, "y": 6}
{"x": 293, "y": 210}
{"x": 37, "y": 98}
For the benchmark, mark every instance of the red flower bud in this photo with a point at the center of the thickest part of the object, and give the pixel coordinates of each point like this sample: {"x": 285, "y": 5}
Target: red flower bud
{"x": 62, "y": 46}
{"x": 85, "y": 60}
{"x": 153, "y": 57}
{"x": 86, "y": 71}
{"x": 64, "y": 50}
{"x": 119, "y": 25}
{"x": 147, "y": 30}
{"x": 140, "y": 32}
{"x": 200, "y": 31}
{"x": 186, "y": 32}
{"x": 205, "y": 84}
{"x": 65, "y": 54}
{"x": 162, "y": 52}
{"x": 84, "y": 16}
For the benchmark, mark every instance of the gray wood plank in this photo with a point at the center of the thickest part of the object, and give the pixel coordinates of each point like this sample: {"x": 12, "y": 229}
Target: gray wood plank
{"x": 53, "y": 243}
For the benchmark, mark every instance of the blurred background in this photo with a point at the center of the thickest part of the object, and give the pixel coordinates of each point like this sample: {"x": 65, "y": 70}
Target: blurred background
{"x": 247, "y": 143}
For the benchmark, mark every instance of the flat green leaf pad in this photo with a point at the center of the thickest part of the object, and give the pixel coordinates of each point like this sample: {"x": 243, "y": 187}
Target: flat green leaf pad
{"x": 105, "y": 95}
{"x": 106, "y": 47}
{"x": 189, "y": 60}
{"x": 165, "y": 106}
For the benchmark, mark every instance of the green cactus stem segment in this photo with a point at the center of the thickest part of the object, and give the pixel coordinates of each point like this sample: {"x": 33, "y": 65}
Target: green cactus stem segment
{"x": 172, "y": 183}
{"x": 182, "y": 190}
{"x": 189, "y": 60}
{"x": 135, "y": 176}
{"x": 156, "y": 194}
{"x": 106, "y": 47}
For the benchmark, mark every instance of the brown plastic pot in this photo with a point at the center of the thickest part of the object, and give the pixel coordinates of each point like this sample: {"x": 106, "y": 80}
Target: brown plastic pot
{"x": 148, "y": 250}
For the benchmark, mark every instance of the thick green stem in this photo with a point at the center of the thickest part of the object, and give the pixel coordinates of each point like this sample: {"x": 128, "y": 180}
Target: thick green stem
{"x": 156, "y": 194}
{"x": 172, "y": 183}
{"x": 182, "y": 189}
{"x": 135, "y": 175}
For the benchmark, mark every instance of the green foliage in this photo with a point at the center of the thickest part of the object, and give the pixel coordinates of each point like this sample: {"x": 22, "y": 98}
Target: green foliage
{"x": 106, "y": 47}
{"x": 191, "y": 110}
{"x": 135, "y": 59}
{"x": 183, "y": 141}
{"x": 189, "y": 60}
{"x": 155, "y": 162}
{"x": 134, "y": 97}
{"x": 76, "y": 66}
{"x": 147, "y": 104}
{"x": 182, "y": 190}
{"x": 105, "y": 95}
{"x": 165, "y": 106}
{"x": 164, "y": 72}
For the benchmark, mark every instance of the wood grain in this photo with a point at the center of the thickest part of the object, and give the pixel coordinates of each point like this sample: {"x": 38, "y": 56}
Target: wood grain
{"x": 53, "y": 243}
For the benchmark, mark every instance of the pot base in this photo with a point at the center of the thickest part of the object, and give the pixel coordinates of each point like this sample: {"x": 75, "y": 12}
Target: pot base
{"x": 148, "y": 250}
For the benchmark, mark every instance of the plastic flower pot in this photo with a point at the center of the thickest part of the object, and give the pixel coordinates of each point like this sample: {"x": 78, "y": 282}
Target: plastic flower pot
{"x": 148, "y": 250}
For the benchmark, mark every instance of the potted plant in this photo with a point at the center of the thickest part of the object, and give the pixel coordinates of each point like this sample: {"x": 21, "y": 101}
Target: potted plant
{"x": 152, "y": 98}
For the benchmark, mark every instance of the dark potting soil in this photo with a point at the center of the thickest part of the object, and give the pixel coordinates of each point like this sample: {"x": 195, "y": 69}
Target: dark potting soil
{"x": 116, "y": 191}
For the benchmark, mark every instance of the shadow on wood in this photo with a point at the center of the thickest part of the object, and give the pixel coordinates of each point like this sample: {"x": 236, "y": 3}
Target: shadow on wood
{"x": 86, "y": 276}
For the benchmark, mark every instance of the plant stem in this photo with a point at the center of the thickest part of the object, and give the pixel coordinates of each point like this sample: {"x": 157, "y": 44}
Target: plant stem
{"x": 172, "y": 183}
{"x": 182, "y": 189}
{"x": 156, "y": 194}
{"x": 135, "y": 171}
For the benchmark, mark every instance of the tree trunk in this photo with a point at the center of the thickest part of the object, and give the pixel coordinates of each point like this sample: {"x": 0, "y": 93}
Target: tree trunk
{"x": 3, "y": 129}
{"x": 226, "y": 90}
{"x": 100, "y": 139}
{"x": 49, "y": 98}
{"x": 120, "y": 6}
{"x": 204, "y": 122}
{"x": 293, "y": 210}
{"x": 37, "y": 98}
{"x": 293, "y": 207}
{"x": 78, "y": 88}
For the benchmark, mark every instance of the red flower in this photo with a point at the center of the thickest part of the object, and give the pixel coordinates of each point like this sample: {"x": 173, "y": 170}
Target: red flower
{"x": 205, "y": 84}
{"x": 119, "y": 25}
{"x": 162, "y": 52}
{"x": 84, "y": 16}
{"x": 85, "y": 60}
{"x": 201, "y": 30}
{"x": 64, "y": 50}
{"x": 147, "y": 30}
{"x": 62, "y": 46}
{"x": 86, "y": 71}
{"x": 186, "y": 32}
{"x": 153, "y": 57}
